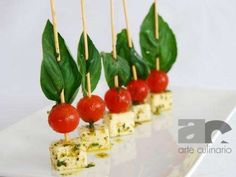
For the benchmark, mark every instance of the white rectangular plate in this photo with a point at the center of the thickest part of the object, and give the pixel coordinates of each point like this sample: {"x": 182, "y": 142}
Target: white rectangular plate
{"x": 151, "y": 152}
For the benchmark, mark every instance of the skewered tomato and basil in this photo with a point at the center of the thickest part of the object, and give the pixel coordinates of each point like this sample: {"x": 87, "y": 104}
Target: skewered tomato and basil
{"x": 163, "y": 47}
{"x": 60, "y": 81}
{"x": 159, "y": 49}
{"x": 138, "y": 88}
{"x": 91, "y": 107}
{"x": 117, "y": 99}
{"x": 59, "y": 77}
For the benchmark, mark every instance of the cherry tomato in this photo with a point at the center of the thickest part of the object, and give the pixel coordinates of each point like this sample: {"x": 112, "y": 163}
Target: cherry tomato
{"x": 63, "y": 118}
{"x": 118, "y": 100}
{"x": 91, "y": 109}
{"x": 138, "y": 90}
{"x": 157, "y": 81}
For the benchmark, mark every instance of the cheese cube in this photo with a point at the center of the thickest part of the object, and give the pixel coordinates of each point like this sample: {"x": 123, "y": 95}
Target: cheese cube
{"x": 161, "y": 102}
{"x": 120, "y": 124}
{"x": 96, "y": 138}
{"x": 67, "y": 157}
{"x": 142, "y": 112}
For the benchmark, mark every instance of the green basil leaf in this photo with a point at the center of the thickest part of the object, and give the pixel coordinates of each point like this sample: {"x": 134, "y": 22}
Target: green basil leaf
{"x": 113, "y": 67}
{"x": 51, "y": 79}
{"x": 92, "y": 65}
{"x": 70, "y": 77}
{"x": 140, "y": 64}
{"x": 165, "y": 48}
{"x": 122, "y": 46}
{"x": 131, "y": 55}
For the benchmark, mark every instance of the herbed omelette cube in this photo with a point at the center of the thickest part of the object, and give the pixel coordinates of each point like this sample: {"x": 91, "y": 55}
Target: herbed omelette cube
{"x": 120, "y": 124}
{"x": 161, "y": 102}
{"x": 142, "y": 112}
{"x": 67, "y": 157}
{"x": 96, "y": 138}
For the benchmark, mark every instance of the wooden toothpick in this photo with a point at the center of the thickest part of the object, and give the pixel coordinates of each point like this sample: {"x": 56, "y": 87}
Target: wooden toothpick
{"x": 62, "y": 96}
{"x": 134, "y": 72}
{"x": 56, "y": 41}
{"x": 158, "y": 64}
{"x": 156, "y": 31}
{"x": 156, "y": 20}
{"x": 114, "y": 52}
{"x": 54, "y": 20}
{"x": 88, "y": 84}
{"x": 116, "y": 81}
{"x": 67, "y": 137}
{"x": 127, "y": 24}
{"x": 86, "y": 45}
{"x": 84, "y": 29}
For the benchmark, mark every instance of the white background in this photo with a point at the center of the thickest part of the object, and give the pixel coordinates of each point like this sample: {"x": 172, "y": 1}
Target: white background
{"x": 205, "y": 31}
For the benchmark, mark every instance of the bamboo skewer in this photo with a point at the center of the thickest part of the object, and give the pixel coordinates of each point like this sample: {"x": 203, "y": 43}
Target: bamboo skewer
{"x": 134, "y": 73}
{"x": 129, "y": 36}
{"x": 57, "y": 48}
{"x": 127, "y": 24}
{"x": 84, "y": 29}
{"x": 62, "y": 96}
{"x": 116, "y": 81}
{"x": 156, "y": 20}
{"x": 66, "y": 137}
{"x": 54, "y": 21}
{"x": 86, "y": 45}
{"x": 156, "y": 31}
{"x": 88, "y": 84}
{"x": 158, "y": 64}
{"x": 114, "y": 52}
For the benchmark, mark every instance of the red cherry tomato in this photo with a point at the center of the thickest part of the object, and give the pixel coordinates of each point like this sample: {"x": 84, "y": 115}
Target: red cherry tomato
{"x": 63, "y": 118}
{"x": 157, "y": 81}
{"x": 91, "y": 109}
{"x": 138, "y": 90}
{"x": 118, "y": 100}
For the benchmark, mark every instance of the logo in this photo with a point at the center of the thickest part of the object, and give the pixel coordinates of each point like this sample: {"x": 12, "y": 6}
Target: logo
{"x": 199, "y": 131}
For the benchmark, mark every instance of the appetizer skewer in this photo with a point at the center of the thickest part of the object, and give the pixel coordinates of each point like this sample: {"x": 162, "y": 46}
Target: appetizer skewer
{"x": 120, "y": 119}
{"x": 58, "y": 58}
{"x": 158, "y": 45}
{"x": 91, "y": 107}
{"x": 138, "y": 88}
{"x": 66, "y": 155}
{"x": 160, "y": 99}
